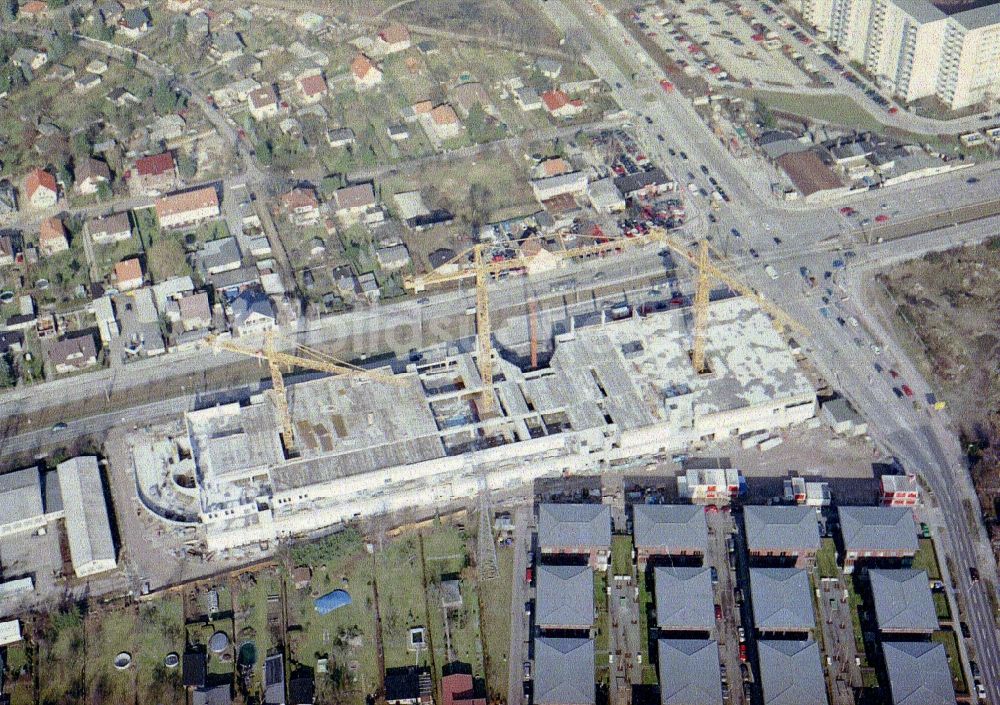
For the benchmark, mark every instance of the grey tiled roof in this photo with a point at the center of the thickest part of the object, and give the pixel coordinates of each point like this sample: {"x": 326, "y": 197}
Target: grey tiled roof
{"x": 791, "y": 673}
{"x": 903, "y": 600}
{"x": 670, "y": 527}
{"x": 781, "y": 528}
{"x": 565, "y": 596}
{"x": 781, "y": 599}
{"x": 686, "y": 672}
{"x": 878, "y": 529}
{"x": 564, "y": 672}
{"x": 570, "y": 525}
{"x": 684, "y": 598}
{"x": 918, "y": 673}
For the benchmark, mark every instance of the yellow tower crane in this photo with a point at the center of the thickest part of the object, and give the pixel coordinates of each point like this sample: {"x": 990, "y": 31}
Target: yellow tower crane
{"x": 305, "y": 357}
{"x": 473, "y": 264}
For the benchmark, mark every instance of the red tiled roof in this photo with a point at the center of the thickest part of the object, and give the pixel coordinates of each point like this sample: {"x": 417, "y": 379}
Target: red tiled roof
{"x": 128, "y": 270}
{"x": 457, "y": 689}
{"x": 155, "y": 165}
{"x": 444, "y": 115}
{"x": 39, "y": 178}
{"x": 51, "y": 229}
{"x": 394, "y": 34}
{"x": 312, "y": 85}
{"x": 187, "y": 201}
{"x": 554, "y": 100}
{"x": 361, "y": 66}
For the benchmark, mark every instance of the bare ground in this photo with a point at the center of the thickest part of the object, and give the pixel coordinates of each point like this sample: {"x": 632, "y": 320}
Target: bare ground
{"x": 946, "y": 313}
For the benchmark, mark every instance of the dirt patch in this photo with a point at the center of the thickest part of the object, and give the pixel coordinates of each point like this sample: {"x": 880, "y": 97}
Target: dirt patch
{"x": 946, "y": 314}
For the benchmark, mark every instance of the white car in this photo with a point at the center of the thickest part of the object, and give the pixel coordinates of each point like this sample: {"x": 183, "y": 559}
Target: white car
{"x": 770, "y": 271}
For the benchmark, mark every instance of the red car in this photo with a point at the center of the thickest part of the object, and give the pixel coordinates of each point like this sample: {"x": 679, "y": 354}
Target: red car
{"x": 847, "y": 210}
{"x": 718, "y": 612}
{"x": 893, "y": 110}
{"x": 894, "y": 374}
{"x": 666, "y": 85}
{"x": 906, "y": 390}
{"x": 711, "y": 509}
{"x": 881, "y": 218}
{"x": 743, "y": 652}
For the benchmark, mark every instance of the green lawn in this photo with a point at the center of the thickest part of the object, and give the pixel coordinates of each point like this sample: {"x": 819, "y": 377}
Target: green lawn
{"x": 402, "y": 606}
{"x": 112, "y": 633}
{"x": 20, "y": 684}
{"x": 446, "y": 554}
{"x": 496, "y": 597}
{"x": 941, "y": 606}
{"x": 345, "y": 636}
{"x": 857, "y": 604}
{"x": 59, "y": 657}
{"x": 621, "y": 555}
{"x": 826, "y": 559}
{"x": 602, "y": 633}
{"x": 926, "y": 559}
{"x": 950, "y": 641}
{"x": 645, "y": 600}
{"x": 258, "y": 619}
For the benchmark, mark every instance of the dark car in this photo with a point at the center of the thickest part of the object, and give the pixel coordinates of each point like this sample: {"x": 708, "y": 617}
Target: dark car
{"x": 684, "y": 156}
{"x": 965, "y": 630}
{"x": 974, "y": 574}
{"x": 735, "y": 232}
{"x": 753, "y": 253}
{"x": 704, "y": 170}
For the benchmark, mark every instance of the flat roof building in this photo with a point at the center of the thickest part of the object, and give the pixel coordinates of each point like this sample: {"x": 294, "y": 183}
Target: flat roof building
{"x": 903, "y": 601}
{"x": 564, "y": 672}
{"x": 669, "y": 530}
{"x": 639, "y": 396}
{"x": 791, "y": 673}
{"x": 91, "y": 546}
{"x": 685, "y": 667}
{"x": 564, "y": 597}
{"x": 782, "y": 600}
{"x": 783, "y": 532}
{"x": 877, "y": 533}
{"x": 684, "y": 598}
{"x": 577, "y": 529}
{"x": 918, "y": 673}
{"x": 21, "y": 499}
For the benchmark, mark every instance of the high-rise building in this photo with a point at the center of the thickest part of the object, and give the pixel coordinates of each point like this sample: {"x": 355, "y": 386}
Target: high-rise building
{"x": 917, "y": 48}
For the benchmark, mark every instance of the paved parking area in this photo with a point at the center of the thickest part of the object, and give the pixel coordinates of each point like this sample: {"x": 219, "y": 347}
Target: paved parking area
{"x": 709, "y": 38}
{"x": 838, "y": 640}
{"x": 720, "y": 533}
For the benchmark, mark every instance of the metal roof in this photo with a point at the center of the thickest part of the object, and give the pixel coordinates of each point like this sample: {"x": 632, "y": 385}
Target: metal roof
{"x": 684, "y": 598}
{"x": 21, "y": 495}
{"x": 686, "y": 668}
{"x": 564, "y": 672}
{"x": 878, "y": 529}
{"x": 791, "y": 673}
{"x": 781, "y": 528}
{"x": 918, "y": 673}
{"x": 564, "y": 596}
{"x": 87, "y": 523}
{"x": 781, "y": 599}
{"x": 903, "y": 600}
{"x": 670, "y": 527}
{"x": 573, "y": 525}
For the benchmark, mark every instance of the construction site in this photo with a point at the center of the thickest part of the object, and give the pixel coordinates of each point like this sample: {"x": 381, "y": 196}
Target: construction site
{"x": 613, "y": 391}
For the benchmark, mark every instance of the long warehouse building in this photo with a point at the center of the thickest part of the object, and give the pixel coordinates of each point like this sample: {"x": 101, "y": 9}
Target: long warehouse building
{"x": 612, "y": 391}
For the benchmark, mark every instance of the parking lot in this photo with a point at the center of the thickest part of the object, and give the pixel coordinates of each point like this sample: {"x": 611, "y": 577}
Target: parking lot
{"x": 723, "y": 561}
{"x": 709, "y": 38}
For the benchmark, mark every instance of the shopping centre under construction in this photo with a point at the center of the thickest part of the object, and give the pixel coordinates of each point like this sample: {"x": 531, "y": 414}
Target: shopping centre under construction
{"x": 611, "y": 392}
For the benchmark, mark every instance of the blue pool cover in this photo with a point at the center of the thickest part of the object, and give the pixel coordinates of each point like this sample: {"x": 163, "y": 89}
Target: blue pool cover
{"x": 331, "y": 601}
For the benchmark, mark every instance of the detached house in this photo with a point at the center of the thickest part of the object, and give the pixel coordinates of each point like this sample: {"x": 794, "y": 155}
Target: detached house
{"x": 152, "y": 175}
{"x": 366, "y": 73}
{"x": 128, "y": 274}
{"x": 302, "y": 206}
{"x": 40, "y": 189}
{"x": 263, "y": 102}
{"x": 312, "y": 88}
{"x": 252, "y": 313}
{"x": 107, "y": 229}
{"x": 393, "y": 38}
{"x": 445, "y": 121}
{"x": 353, "y": 201}
{"x": 135, "y": 22}
{"x": 72, "y": 354}
{"x": 187, "y": 208}
{"x": 90, "y": 174}
{"x": 52, "y": 237}
{"x": 558, "y": 104}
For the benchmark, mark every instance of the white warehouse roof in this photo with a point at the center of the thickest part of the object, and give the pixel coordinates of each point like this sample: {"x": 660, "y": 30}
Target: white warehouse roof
{"x": 91, "y": 546}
